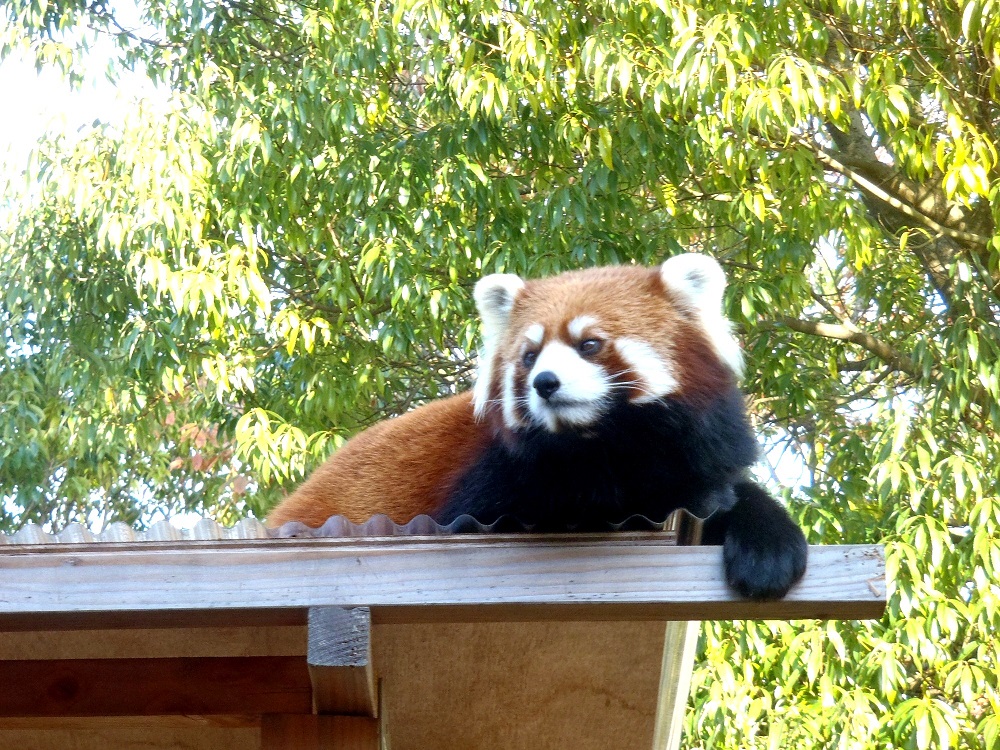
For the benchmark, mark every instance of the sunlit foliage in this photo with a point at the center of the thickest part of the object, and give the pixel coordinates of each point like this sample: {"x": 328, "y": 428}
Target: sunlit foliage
{"x": 199, "y": 304}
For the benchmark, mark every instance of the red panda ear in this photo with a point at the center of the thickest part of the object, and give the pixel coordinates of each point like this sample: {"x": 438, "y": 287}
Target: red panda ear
{"x": 699, "y": 281}
{"x": 494, "y": 295}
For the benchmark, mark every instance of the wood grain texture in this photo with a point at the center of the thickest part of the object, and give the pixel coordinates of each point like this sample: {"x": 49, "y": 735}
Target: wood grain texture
{"x": 529, "y": 686}
{"x": 340, "y": 661}
{"x": 623, "y": 576}
{"x": 132, "y": 738}
{"x": 135, "y": 723}
{"x": 144, "y": 643}
{"x": 679, "y": 646}
{"x": 298, "y": 732}
{"x": 154, "y": 687}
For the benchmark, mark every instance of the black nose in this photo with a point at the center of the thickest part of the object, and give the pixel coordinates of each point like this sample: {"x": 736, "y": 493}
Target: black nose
{"x": 546, "y": 383}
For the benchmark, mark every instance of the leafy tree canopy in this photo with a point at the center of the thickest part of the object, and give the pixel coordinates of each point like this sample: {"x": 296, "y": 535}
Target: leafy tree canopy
{"x": 200, "y": 303}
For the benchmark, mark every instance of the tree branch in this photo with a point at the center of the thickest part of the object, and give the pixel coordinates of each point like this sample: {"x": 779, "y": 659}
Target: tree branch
{"x": 885, "y": 352}
{"x": 879, "y": 348}
{"x": 830, "y": 160}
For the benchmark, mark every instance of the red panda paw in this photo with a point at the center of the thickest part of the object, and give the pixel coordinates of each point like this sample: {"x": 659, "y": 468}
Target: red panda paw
{"x": 764, "y": 551}
{"x": 765, "y": 565}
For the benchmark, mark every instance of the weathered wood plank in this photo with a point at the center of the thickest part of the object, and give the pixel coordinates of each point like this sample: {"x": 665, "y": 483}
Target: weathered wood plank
{"x": 299, "y": 732}
{"x": 127, "y": 737}
{"x": 154, "y": 687}
{"x": 520, "y": 685}
{"x": 132, "y": 723}
{"x": 612, "y": 576}
{"x": 340, "y": 661}
{"x": 141, "y": 643}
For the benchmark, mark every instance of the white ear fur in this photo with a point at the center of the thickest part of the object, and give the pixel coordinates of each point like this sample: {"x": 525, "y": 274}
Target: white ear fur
{"x": 494, "y": 295}
{"x": 699, "y": 281}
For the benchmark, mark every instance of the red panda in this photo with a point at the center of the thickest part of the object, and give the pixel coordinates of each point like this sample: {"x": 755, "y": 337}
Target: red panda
{"x": 601, "y": 394}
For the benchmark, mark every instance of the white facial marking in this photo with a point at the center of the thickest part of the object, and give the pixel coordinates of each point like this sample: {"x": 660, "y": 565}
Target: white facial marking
{"x": 700, "y": 282}
{"x": 720, "y": 335}
{"x": 582, "y": 393}
{"x": 580, "y": 324}
{"x": 510, "y": 417}
{"x": 481, "y": 388}
{"x": 535, "y": 333}
{"x": 655, "y": 374}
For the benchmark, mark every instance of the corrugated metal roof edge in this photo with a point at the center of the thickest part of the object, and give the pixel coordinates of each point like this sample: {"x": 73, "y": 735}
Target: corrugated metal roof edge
{"x": 251, "y": 528}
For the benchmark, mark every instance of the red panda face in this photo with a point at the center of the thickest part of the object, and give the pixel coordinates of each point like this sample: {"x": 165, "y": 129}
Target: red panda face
{"x": 559, "y": 352}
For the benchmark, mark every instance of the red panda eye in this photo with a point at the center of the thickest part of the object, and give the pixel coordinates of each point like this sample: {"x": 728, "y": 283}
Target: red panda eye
{"x": 589, "y": 347}
{"x": 529, "y": 359}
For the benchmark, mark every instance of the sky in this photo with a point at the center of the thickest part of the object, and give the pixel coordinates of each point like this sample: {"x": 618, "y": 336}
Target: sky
{"x": 38, "y": 102}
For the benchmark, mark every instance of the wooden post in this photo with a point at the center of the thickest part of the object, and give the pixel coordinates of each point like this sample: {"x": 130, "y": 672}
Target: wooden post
{"x": 344, "y": 691}
{"x": 340, "y": 661}
{"x": 679, "y": 644}
{"x": 675, "y": 683}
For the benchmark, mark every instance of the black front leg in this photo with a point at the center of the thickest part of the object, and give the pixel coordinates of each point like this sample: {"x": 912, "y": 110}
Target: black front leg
{"x": 763, "y": 549}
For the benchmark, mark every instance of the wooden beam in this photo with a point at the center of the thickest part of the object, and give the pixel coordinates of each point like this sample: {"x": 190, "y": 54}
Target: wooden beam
{"x": 139, "y": 643}
{"x": 155, "y": 687}
{"x": 624, "y": 576}
{"x": 99, "y": 723}
{"x": 125, "y": 736}
{"x": 340, "y": 661}
{"x": 298, "y": 732}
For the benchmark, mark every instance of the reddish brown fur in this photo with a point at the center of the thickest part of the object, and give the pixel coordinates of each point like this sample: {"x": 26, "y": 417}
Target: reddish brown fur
{"x": 401, "y": 467}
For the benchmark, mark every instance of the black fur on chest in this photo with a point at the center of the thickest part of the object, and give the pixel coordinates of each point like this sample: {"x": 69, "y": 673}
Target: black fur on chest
{"x": 647, "y": 459}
